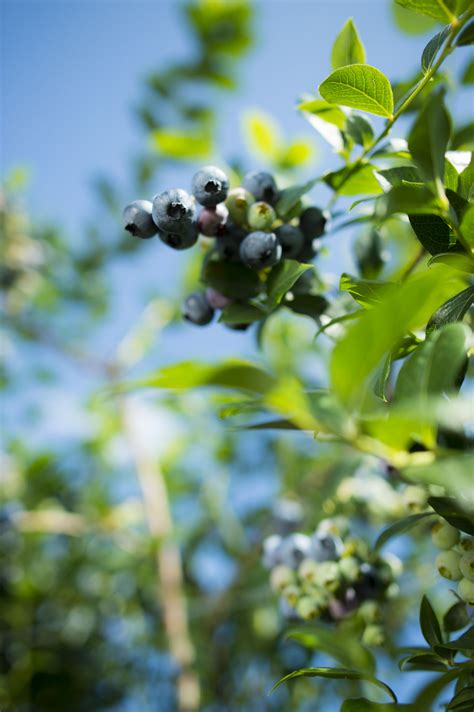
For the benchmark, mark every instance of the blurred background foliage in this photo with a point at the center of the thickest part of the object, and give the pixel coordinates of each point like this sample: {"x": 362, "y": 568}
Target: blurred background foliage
{"x": 85, "y": 597}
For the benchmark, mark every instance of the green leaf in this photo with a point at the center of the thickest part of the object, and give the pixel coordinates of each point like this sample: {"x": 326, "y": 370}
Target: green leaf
{"x": 281, "y": 279}
{"x": 432, "y": 48}
{"x": 233, "y": 374}
{"x": 231, "y": 279}
{"x": 241, "y": 314}
{"x": 429, "y": 137}
{"x": 433, "y": 233}
{"x": 330, "y": 113}
{"x": 467, "y": 225}
{"x": 400, "y": 174}
{"x": 362, "y": 180}
{"x": 451, "y": 509}
{"x": 400, "y": 527}
{"x": 361, "y": 704}
{"x": 466, "y": 181}
{"x": 464, "y": 642}
{"x": 460, "y": 469}
{"x": 434, "y": 366}
{"x": 290, "y": 196}
{"x": 359, "y": 86}
{"x": 467, "y": 76}
{"x": 378, "y": 330}
{"x": 262, "y": 133}
{"x": 454, "y": 309}
{"x": 360, "y": 130}
{"x": 338, "y": 674}
{"x": 312, "y": 305}
{"x": 424, "y": 661}
{"x": 456, "y": 617}
{"x": 347, "y": 47}
{"x": 429, "y": 623}
{"x": 184, "y": 145}
{"x": 344, "y": 648}
{"x": 463, "y": 701}
{"x": 467, "y": 35}
{"x": 438, "y": 9}
{"x": 428, "y": 694}
{"x": 409, "y": 199}
{"x": 456, "y": 260}
{"x": 366, "y": 292}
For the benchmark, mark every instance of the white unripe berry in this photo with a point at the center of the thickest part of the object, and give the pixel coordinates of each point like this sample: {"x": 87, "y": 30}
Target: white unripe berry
{"x": 444, "y": 536}
{"x": 467, "y": 565}
{"x": 447, "y": 563}
{"x": 466, "y": 590}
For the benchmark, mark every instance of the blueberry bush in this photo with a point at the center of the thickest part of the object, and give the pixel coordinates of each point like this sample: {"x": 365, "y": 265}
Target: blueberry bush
{"x": 357, "y": 575}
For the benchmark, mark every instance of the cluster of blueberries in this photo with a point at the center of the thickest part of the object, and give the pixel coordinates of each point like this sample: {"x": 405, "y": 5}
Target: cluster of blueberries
{"x": 331, "y": 575}
{"x": 456, "y": 558}
{"x": 245, "y": 222}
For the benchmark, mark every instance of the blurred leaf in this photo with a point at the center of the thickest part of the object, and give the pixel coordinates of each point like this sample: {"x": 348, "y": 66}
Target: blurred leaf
{"x": 181, "y": 144}
{"x": 466, "y": 37}
{"x": 400, "y": 527}
{"x": 262, "y": 133}
{"x": 347, "y": 181}
{"x": 467, "y": 225}
{"x": 438, "y": 9}
{"x": 463, "y": 701}
{"x": 429, "y": 623}
{"x": 429, "y": 136}
{"x": 451, "y": 509}
{"x": 467, "y": 76}
{"x": 338, "y": 674}
{"x": 295, "y": 154}
{"x": 365, "y": 292}
{"x": 232, "y": 279}
{"x": 241, "y": 314}
{"x": 428, "y": 694}
{"x": 466, "y": 180}
{"x": 312, "y": 305}
{"x": 361, "y": 704}
{"x": 460, "y": 470}
{"x": 290, "y": 196}
{"x": 359, "y": 86}
{"x": 347, "y": 47}
{"x": 341, "y": 645}
{"x": 330, "y": 113}
{"x": 410, "y": 23}
{"x": 423, "y": 661}
{"x": 464, "y": 642}
{"x": 456, "y": 617}
{"x": 360, "y": 130}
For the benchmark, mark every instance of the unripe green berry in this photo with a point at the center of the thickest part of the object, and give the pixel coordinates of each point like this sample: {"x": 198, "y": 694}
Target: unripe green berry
{"x": 467, "y": 565}
{"x": 466, "y": 544}
{"x": 308, "y": 570}
{"x": 281, "y": 577}
{"x": 238, "y": 203}
{"x": 373, "y": 635}
{"x": 261, "y": 216}
{"x": 369, "y": 611}
{"x": 349, "y": 567}
{"x": 444, "y": 536}
{"x": 328, "y": 575}
{"x": 307, "y": 608}
{"x": 466, "y": 590}
{"x": 291, "y": 594}
{"x": 414, "y": 498}
{"x": 447, "y": 563}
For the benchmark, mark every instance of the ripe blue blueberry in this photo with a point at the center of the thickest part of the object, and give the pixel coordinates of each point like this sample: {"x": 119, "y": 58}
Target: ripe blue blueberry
{"x": 174, "y": 211}
{"x": 312, "y": 223}
{"x": 197, "y": 309}
{"x": 260, "y": 249}
{"x": 291, "y": 240}
{"x": 295, "y": 548}
{"x": 138, "y": 220}
{"x": 262, "y": 186}
{"x": 212, "y": 220}
{"x": 325, "y": 547}
{"x": 272, "y": 551}
{"x": 210, "y": 186}
{"x": 288, "y": 515}
{"x": 182, "y": 240}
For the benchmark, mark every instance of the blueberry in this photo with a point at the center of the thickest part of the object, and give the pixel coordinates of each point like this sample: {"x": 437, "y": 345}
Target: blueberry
{"x": 138, "y": 220}
{"x": 237, "y": 327}
{"x": 182, "y": 240}
{"x": 448, "y": 565}
{"x": 312, "y": 223}
{"x": 174, "y": 211}
{"x": 288, "y": 515}
{"x": 210, "y": 186}
{"x": 261, "y": 216}
{"x": 262, "y": 186}
{"x": 197, "y": 309}
{"x": 309, "y": 250}
{"x": 295, "y": 548}
{"x": 467, "y": 565}
{"x": 228, "y": 244}
{"x": 238, "y": 203}
{"x": 325, "y": 547}
{"x": 444, "y": 535}
{"x": 260, "y": 249}
{"x": 291, "y": 240}
{"x": 272, "y": 551}
{"x": 369, "y": 584}
{"x": 212, "y": 220}
{"x": 466, "y": 590}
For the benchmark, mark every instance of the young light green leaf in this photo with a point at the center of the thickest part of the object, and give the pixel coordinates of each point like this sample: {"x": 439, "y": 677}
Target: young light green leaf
{"x": 338, "y": 674}
{"x": 366, "y": 292}
{"x": 400, "y": 527}
{"x": 438, "y": 9}
{"x": 454, "y": 309}
{"x": 429, "y": 137}
{"x": 347, "y": 47}
{"x": 262, "y": 133}
{"x": 331, "y": 113}
{"x": 467, "y": 225}
{"x": 466, "y": 181}
{"x": 282, "y": 278}
{"x": 362, "y": 180}
{"x": 432, "y": 49}
{"x": 429, "y": 623}
{"x": 359, "y": 86}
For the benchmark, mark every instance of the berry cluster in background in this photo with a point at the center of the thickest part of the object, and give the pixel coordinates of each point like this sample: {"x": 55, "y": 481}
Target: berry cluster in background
{"x": 456, "y": 558}
{"x": 331, "y": 575}
{"x": 253, "y": 228}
